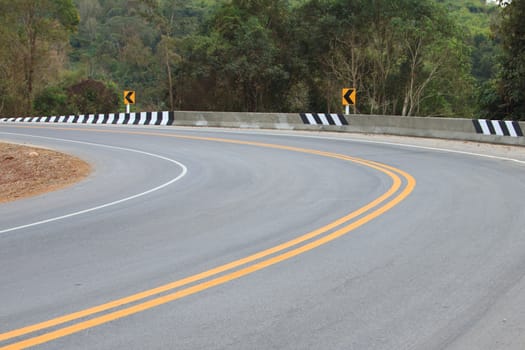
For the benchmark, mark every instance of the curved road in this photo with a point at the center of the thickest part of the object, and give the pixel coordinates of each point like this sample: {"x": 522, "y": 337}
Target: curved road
{"x": 215, "y": 239}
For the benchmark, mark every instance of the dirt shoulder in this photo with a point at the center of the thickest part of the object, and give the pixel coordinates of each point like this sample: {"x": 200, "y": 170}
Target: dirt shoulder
{"x": 28, "y": 171}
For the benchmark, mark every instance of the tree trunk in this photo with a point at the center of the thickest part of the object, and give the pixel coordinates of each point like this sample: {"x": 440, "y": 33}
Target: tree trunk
{"x": 30, "y": 59}
{"x": 170, "y": 81}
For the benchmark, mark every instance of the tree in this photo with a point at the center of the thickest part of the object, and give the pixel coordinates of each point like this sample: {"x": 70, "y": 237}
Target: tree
{"x": 434, "y": 55}
{"x": 91, "y": 96}
{"x": 84, "y": 97}
{"x": 236, "y": 62}
{"x": 398, "y": 55}
{"x": 512, "y": 77}
{"x": 39, "y": 30}
{"x": 164, "y": 16}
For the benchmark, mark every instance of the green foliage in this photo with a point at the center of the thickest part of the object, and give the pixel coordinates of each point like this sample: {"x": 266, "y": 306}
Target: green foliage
{"x": 34, "y": 33}
{"x": 52, "y": 101}
{"x": 91, "y": 96}
{"x": 236, "y": 63}
{"x": 512, "y": 75}
{"x": 401, "y": 57}
{"x": 84, "y": 97}
{"x": 475, "y": 16}
{"x": 408, "y": 57}
{"x": 490, "y": 101}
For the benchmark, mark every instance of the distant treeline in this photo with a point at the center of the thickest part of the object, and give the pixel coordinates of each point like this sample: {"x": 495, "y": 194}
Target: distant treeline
{"x": 461, "y": 58}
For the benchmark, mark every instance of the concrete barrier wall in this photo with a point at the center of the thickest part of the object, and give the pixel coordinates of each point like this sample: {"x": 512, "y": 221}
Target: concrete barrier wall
{"x": 446, "y": 128}
{"x": 286, "y": 121}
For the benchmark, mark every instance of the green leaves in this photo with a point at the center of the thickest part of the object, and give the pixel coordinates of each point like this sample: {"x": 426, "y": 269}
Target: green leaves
{"x": 36, "y": 34}
{"x": 512, "y": 74}
{"x": 410, "y": 57}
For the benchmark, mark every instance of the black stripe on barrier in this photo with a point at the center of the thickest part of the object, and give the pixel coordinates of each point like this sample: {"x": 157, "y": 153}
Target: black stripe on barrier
{"x": 105, "y": 118}
{"x": 330, "y": 119}
{"x": 147, "y": 121}
{"x": 504, "y": 128}
{"x": 517, "y": 128}
{"x": 477, "y": 126}
{"x": 492, "y": 130}
{"x": 333, "y": 119}
{"x": 171, "y": 118}
{"x": 343, "y": 119}
{"x": 508, "y": 128}
{"x": 304, "y": 119}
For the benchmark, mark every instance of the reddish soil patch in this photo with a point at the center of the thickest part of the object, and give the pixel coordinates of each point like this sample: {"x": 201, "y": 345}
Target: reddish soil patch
{"x": 28, "y": 171}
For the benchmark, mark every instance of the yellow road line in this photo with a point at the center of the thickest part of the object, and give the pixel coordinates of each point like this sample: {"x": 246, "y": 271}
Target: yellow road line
{"x": 390, "y": 171}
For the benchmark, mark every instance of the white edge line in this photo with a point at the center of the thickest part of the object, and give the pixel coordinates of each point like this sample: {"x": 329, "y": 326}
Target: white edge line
{"x": 350, "y": 139}
{"x": 62, "y": 217}
{"x": 421, "y": 147}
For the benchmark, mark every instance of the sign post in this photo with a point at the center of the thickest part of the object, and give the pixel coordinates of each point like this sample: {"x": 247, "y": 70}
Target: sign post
{"x": 348, "y": 97}
{"x": 129, "y": 99}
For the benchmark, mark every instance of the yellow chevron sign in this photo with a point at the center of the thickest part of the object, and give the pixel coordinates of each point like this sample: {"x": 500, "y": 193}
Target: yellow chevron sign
{"x": 129, "y": 97}
{"x": 348, "y": 95}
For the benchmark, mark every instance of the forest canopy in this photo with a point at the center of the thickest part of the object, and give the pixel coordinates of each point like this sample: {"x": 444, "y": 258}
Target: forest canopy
{"x": 451, "y": 58}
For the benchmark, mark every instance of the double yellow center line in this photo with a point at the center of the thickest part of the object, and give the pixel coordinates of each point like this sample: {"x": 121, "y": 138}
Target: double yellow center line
{"x": 402, "y": 185}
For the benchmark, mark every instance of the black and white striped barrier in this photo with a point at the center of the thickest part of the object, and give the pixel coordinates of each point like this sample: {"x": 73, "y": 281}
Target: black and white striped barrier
{"x": 324, "y": 119}
{"x": 497, "y": 127}
{"x": 142, "y": 118}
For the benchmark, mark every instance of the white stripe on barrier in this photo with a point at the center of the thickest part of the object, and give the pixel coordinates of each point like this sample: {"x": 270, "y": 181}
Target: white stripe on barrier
{"x": 497, "y": 128}
{"x": 337, "y": 120}
{"x": 484, "y": 127}
{"x": 132, "y": 118}
{"x": 154, "y": 118}
{"x": 323, "y": 118}
{"x": 510, "y": 126}
{"x": 121, "y": 117}
{"x": 143, "y": 116}
{"x": 310, "y": 118}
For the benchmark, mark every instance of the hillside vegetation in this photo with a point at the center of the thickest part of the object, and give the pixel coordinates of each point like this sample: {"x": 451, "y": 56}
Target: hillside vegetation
{"x": 405, "y": 57}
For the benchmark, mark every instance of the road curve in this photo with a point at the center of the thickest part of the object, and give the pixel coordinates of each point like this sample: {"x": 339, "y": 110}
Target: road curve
{"x": 199, "y": 238}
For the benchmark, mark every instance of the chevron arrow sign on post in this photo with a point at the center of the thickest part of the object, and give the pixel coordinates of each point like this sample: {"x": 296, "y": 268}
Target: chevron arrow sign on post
{"x": 348, "y": 96}
{"x": 129, "y": 97}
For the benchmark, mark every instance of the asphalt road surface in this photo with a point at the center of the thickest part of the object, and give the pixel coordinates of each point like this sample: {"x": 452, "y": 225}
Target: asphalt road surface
{"x": 219, "y": 239}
